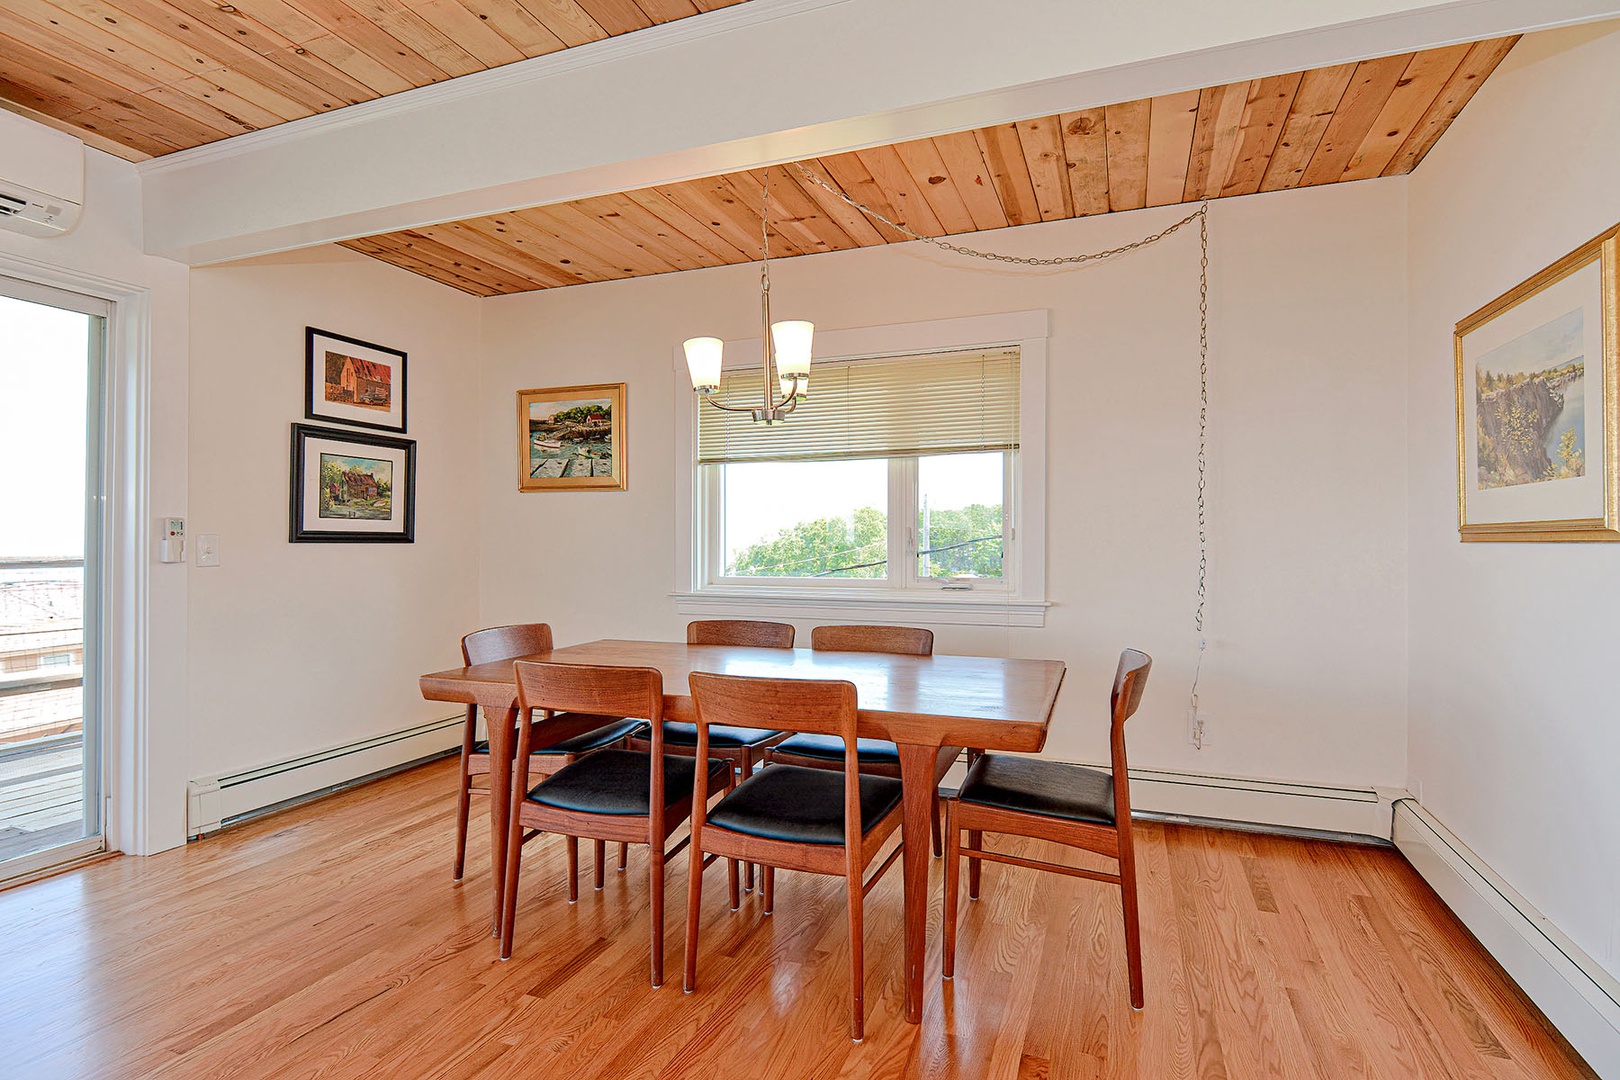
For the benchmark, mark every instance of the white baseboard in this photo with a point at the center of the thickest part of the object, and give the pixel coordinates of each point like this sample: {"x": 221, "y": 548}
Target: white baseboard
{"x": 214, "y": 802}
{"x": 1580, "y": 998}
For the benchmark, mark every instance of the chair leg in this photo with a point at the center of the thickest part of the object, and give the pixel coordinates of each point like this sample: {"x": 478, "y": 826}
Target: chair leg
{"x": 939, "y": 848}
{"x": 601, "y": 864}
{"x": 746, "y": 767}
{"x": 514, "y": 862}
{"x": 624, "y": 856}
{"x": 953, "y": 859}
{"x": 655, "y": 871}
{"x": 857, "y": 961}
{"x": 768, "y": 882}
{"x": 733, "y": 880}
{"x": 573, "y": 869}
{"x": 1133, "y": 929}
{"x": 464, "y": 796}
{"x": 975, "y": 840}
{"x": 694, "y": 905}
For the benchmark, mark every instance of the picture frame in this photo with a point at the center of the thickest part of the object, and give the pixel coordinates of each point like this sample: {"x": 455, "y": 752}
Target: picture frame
{"x": 351, "y": 487}
{"x": 353, "y": 382}
{"x": 572, "y": 438}
{"x": 1538, "y": 405}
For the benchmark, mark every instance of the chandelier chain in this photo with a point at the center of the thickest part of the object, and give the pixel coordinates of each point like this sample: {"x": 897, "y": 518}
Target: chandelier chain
{"x": 996, "y": 256}
{"x": 765, "y": 235}
{"x": 1203, "y": 417}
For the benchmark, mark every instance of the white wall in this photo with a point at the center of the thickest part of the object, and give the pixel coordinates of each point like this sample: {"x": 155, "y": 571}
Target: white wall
{"x": 1306, "y": 674}
{"x": 106, "y": 246}
{"x": 301, "y": 647}
{"x": 1513, "y": 740}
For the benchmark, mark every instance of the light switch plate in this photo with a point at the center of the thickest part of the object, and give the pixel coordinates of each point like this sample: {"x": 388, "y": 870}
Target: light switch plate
{"x": 208, "y": 549}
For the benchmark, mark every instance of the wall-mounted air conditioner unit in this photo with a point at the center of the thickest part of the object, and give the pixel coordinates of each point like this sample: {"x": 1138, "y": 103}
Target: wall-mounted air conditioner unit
{"x": 41, "y": 177}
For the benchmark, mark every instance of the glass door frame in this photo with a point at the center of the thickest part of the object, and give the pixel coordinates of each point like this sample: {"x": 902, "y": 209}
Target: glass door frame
{"x": 96, "y": 565}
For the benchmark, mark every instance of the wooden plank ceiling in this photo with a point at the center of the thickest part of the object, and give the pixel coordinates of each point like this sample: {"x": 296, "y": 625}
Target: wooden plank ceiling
{"x": 141, "y": 78}
{"x": 1348, "y": 122}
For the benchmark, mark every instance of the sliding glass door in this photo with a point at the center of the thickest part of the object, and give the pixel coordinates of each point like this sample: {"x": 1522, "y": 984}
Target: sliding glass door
{"x": 51, "y": 420}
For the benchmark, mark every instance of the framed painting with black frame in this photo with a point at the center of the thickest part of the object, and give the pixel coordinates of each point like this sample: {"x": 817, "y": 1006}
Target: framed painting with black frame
{"x": 353, "y": 382}
{"x": 1538, "y": 405}
{"x": 351, "y": 487}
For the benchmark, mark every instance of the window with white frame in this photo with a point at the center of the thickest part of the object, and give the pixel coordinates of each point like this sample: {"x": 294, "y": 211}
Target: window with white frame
{"x": 898, "y": 483}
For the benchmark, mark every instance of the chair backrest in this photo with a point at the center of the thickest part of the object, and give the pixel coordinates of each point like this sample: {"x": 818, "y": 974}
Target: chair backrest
{"x": 505, "y": 643}
{"x": 820, "y": 706}
{"x": 597, "y": 689}
{"x": 902, "y": 640}
{"x": 763, "y": 635}
{"x": 636, "y": 693}
{"x": 1130, "y": 679}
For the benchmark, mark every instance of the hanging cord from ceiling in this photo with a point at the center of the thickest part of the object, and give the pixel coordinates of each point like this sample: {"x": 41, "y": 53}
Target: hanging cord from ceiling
{"x": 995, "y": 256}
{"x": 1200, "y": 215}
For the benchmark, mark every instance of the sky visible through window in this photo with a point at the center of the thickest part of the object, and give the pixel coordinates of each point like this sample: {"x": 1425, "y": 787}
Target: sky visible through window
{"x": 43, "y": 352}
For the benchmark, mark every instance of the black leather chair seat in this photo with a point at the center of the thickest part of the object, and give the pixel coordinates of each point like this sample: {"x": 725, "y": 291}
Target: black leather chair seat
{"x": 610, "y": 732}
{"x": 805, "y": 806}
{"x": 831, "y": 748}
{"x": 720, "y": 737}
{"x": 619, "y": 782}
{"x": 1034, "y": 786}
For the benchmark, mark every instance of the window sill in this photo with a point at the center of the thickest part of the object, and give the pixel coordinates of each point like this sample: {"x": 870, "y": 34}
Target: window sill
{"x": 865, "y": 606}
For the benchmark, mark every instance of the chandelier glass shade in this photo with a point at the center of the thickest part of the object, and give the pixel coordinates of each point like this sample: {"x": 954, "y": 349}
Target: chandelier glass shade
{"x": 789, "y": 341}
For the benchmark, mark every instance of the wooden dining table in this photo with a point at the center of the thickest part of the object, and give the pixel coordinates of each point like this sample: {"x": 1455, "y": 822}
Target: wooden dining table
{"x": 921, "y": 703}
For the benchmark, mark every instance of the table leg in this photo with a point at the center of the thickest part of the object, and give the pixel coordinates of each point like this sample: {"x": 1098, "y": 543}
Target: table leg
{"x": 500, "y": 723}
{"x": 917, "y": 774}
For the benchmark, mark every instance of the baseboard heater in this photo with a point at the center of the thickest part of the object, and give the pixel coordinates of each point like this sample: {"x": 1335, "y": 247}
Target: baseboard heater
{"x": 214, "y": 802}
{"x": 1578, "y": 996}
{"x": 1324, "y": 810}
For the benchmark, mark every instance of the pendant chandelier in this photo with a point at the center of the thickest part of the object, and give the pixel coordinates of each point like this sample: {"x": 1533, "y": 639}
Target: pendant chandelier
{"x": 791, "y": 339}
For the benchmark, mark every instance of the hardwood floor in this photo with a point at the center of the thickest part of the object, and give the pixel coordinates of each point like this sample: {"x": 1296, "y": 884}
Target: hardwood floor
{"x": 328, "y": 941}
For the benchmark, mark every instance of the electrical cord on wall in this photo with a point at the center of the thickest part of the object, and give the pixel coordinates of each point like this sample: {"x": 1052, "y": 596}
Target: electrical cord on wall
{"x": 1195, "y": 722}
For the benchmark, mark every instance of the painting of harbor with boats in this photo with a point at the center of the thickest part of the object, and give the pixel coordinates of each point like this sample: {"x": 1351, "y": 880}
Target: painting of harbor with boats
{"x": 572, "y": 437}
{"x": 1531, "y": 399}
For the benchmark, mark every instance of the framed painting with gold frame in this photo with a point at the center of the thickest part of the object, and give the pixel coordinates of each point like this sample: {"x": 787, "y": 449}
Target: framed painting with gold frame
{"x": 1538, "y": 405}
{"x": 571, "y": 438}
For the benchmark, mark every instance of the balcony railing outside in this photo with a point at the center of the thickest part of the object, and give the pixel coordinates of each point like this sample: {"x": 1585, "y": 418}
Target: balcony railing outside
{"x": 41, "y": 703}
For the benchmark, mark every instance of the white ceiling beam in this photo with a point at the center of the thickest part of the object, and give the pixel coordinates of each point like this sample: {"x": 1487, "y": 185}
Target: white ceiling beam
{"x": 762, "y": 82}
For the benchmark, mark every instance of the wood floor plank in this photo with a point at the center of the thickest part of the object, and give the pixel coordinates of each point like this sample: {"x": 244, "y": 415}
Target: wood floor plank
{"x": 328, "y": 941}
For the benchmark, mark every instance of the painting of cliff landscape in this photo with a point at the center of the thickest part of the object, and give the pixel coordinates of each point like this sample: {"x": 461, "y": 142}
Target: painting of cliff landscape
{"x": 1531, "y": 406}
{"x": 1537, "y": 418}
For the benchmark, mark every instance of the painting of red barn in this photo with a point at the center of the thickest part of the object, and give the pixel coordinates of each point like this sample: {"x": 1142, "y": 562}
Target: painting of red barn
{"x": 353, "y": 382}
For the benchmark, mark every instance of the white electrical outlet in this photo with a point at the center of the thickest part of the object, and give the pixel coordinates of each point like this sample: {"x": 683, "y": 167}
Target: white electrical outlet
{"x": 1198, "y": 726}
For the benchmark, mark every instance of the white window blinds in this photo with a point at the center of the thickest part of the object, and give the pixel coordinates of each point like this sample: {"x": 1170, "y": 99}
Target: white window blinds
{"x": 939, "y": 403}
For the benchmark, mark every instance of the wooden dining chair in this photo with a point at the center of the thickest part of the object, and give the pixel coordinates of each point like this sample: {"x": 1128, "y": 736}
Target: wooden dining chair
{"x": 876, "y": 757}
{"x": 508, "y": 643}
{"x": 625, "y": 795}
{"x": 813, "y": 820}
{"x": 743, "y": 746}
{"x": 1050, "y": 800}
